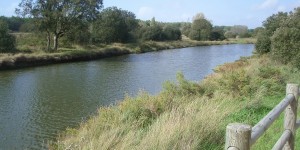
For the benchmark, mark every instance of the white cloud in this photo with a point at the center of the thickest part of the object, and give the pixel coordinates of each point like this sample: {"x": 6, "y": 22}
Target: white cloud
{"x": 268, "y": 4}
{"x": 145, "y": 12}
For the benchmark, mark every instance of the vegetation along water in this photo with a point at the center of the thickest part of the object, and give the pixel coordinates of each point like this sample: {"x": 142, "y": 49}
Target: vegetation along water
{"x": 39, "y": 103}
{"x": 56, "y": 106}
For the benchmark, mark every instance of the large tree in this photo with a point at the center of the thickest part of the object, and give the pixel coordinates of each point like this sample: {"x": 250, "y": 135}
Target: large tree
{"x": 201, "y": 28}
{"x": 271, "y": 24}
{"x": 57, "y": 17}
{"x": 114, "y": 25}
{"x": 285, "y": 42}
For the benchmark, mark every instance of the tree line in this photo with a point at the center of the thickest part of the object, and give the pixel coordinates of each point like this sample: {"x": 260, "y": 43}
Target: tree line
{"x": 280, "y": 37}
{"x": 86, "y": 22}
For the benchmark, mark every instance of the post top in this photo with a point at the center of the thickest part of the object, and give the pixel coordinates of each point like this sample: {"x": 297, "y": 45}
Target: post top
{"x": 239, "y": 126}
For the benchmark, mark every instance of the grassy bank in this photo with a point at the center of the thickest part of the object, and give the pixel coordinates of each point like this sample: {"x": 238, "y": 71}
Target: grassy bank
{"x": 29, "y": 55}
{"x": 187, "y": 115}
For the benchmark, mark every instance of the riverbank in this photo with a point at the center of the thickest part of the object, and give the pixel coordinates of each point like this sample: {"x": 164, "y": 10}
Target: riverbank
{"x": 22, "y": 59}
{"x": 190, "y": 115}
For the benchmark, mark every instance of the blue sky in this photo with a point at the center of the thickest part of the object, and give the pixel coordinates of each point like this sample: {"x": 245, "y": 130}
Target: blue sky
{"x": 219, "y": 12}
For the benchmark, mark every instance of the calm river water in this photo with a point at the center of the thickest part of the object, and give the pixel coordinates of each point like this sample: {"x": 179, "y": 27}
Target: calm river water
{"x": 38, "y": 103}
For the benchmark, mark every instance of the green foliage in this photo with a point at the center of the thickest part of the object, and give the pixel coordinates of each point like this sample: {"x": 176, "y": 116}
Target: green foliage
{"x": 237, "y": 82}
{"x": 79, "y": 34}
{"x": 155, "y": 31}
{"x": 7, "y": 41}
{"x": 143, "y": 112}
{"x": 229, "y": 34}
{"x": 286, "y": 45}
{"x": 273, "y": 22}
{"x": 256, "y": 31}
{"x": 217, "y": 35}
{"x": 184, "y": 87}
{"x": 171, "y": 33}
{"x": 250, "y": 114}
{"x": 263, "y": 44}
{"x": 286, "y": 40}
{"x": 14, "y": 23}
{"x": 114, "y": 25}
{"x": 151, "y": 33}
{"x": 239, "y": 30}
{"x": 201, "y": 30}
{"x": 57, "y": 17}
{"x": 186, "y": 29}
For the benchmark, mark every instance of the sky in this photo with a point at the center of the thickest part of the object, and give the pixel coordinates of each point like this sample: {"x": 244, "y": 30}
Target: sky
{"x": 220, "y": 12}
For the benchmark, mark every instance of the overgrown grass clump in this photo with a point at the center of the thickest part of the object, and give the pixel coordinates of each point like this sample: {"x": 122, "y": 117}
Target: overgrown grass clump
{"x": 188, "y": 115}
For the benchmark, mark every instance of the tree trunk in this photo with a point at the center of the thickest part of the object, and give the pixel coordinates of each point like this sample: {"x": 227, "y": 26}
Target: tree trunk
{"x": 55, "y": 42}
{"x": 48, "y": 41}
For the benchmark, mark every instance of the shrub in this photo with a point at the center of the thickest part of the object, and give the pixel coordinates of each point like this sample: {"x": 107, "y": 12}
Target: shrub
{"x": 171, "y": 33}
{"x": 286, "y": 45}
{"x": 230, "y": 34}
{"x": 151, "y": 33}
{"x": 184, "y": 87}
{"x": 237, "y": 82}
{"x": 7, "y": 41}
{"x": 263, "y": 44}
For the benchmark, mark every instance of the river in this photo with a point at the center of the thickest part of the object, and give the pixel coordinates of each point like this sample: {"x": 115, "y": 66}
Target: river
{"x": 38, "y": 103}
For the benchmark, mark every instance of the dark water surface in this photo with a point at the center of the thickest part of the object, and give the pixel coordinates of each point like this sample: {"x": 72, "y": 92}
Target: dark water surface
{"x": 38, "y": 103}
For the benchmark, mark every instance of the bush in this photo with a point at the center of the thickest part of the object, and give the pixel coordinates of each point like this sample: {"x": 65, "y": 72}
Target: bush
{"x": 151, "y": 33}
{"x": 217, "y": 35}
{"x": 263, "y": 44}
{"x": 237, "y": 82}
{"x": 171, "y": 33}
{"x": 286, "y": 45}
{"x": 7, "y": 41}
{"x": 184, "y": 87}
{"x": 230, "y": 34}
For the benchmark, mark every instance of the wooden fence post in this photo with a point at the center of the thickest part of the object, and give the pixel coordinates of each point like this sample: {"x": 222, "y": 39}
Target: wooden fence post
{"x": 238, "y": 136}
{"x": 290, "y": 115}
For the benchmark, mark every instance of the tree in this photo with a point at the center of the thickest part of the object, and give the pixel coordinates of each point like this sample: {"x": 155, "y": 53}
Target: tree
{"x": 256, "y": 31}
{"x": 57, "y": 17}
{"x": 239, "y": 30}
{"x": 114, "y": 25}
{"x": 7, "y": 41}
{"x": 151, "y": 33}
{"x": 217, "y": 34}
{"x": 171, "y": 33}
{"x": 286, "y": 40}
{"x": 229, "y": 34}
{"x": 186, "y": 29}
{"x": 263, "y": 43}
{"x": 199, "y": 16}
{"x": 271, "y": 24}
{"x": 201, "y": 29}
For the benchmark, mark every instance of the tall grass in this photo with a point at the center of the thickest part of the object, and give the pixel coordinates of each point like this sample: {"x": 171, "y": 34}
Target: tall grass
{"x": 187, "y": 115}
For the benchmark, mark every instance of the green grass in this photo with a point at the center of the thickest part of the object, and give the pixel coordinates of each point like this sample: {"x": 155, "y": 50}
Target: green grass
{"x": 188, "y": 115}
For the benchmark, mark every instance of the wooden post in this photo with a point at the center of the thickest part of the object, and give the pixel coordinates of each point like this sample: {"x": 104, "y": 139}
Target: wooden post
{"x": 238, "y": 136}
{"x": 290, "y": 115}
